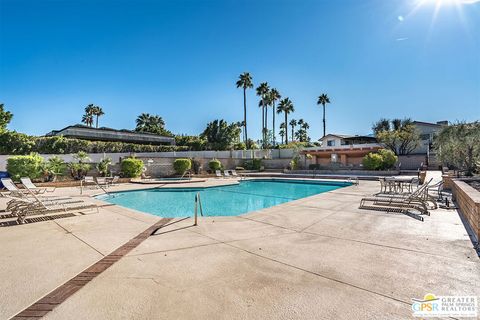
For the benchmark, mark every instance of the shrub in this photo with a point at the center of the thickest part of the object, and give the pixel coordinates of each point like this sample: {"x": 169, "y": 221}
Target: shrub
{"x": 12, "y": 142}
{"x": 239, "y": 146}
{"x": 31, "y": 166}
{"x": 103, "y": 167}
{"x": 196, "y": 165}
{"x": 80, "y": 169}
{"x": 54, "y": 167}
{"x": 214, "y": 165}
{"x": 372, "y": 161}
{"x": 254, "y": 164}
{"x": 182, "y": 165}
{"x": 132, "y": 167}
{"x": 389, "y": 158}
{"x": 383, "y": 160}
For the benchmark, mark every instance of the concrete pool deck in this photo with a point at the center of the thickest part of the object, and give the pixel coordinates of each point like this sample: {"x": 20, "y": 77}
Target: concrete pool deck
{"x": 314, "y": 258}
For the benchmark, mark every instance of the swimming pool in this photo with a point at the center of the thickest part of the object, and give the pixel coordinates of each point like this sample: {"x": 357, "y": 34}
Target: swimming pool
{"x": 231, "y": 200}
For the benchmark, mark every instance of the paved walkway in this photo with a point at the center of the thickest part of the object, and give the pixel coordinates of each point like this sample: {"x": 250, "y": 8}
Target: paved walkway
{"x": 315, "y": 258}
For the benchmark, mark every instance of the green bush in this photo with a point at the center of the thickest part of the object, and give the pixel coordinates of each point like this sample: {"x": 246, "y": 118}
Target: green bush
{"x": 372, "y": 161}
{"x": 254, "y": 164}
{"x": 55, "y": 166}
{"x": 31, "y": 166}
{"x": 389, "y": 158}
{"x": 182, "y": 165}
{"x": 382, "y": 160}
{"x": 215, "y": 165}
{"x": 103, "y": 167}
{"x": 12, "y": 142}
{"x": 132, "y": 167}
{"x": 239, "y": 146}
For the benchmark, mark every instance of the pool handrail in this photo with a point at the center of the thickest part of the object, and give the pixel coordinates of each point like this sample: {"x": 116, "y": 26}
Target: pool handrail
{"x": 198, "y": 202}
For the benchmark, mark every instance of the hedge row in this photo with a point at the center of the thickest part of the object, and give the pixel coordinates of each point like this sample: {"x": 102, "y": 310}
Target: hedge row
{"x": 19, "y": 143}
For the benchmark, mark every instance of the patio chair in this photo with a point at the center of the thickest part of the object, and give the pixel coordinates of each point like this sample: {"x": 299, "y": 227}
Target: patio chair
{"x": 102, "y": 182}
{"x": 14, "y": 192}
{"x": 234, "y": 173}
{"x": 12, "y": 187}
{"x": 115, "y": 180}
{"x": 218, "y": 173}
{"x": 37, "y": 206}
{"x": 88, "y": 180}
{"x": 28, "y": 184}
{"x": 226, "y": 174}
{"x": 15, "y": 201}
{"x": 402, "y": 203}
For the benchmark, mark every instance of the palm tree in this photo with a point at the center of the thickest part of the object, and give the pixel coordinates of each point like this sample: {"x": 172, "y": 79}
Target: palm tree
{"x": 323, "y": 99}
{"x": 88, "y": 116}
{"x": 274, "y": 95}
{"x": 301, "y": 134}
{"x": 97, "y": 112}
{"x": 262, "y": 91}
{"x": 293, "y": 123}
{"x": 143, "y": 120}
{"x": 285, "y": 106}
{"x": 282, "y": 130}
{"x": 245, "y": 82}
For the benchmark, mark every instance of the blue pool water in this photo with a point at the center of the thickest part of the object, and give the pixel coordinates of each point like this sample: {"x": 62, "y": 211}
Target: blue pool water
{"x": 230, "y": 200}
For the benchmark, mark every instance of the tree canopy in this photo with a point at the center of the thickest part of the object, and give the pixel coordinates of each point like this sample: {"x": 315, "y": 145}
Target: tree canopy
{"x": 458, "y": 145}
{"x": 151, "y": 124}
{"x": 221, "y": 135}
{"x": 5, "y": 117}
{"x": 398, "y": 135}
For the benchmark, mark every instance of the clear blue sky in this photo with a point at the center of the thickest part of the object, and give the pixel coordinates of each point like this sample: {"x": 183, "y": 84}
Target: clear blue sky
{"x": 180, "y": 59}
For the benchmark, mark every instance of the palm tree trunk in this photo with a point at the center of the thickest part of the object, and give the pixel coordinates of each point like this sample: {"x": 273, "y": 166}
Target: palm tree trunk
{"x": 324, "y": 127}
{"x": 96, "y": 123}
{"x": 263, "y": 125}
{"x": 286, "y": 130}
{"x": 273, "y": 123}
{"x": 293, "y": 132}
{"x": 245, "y": 116}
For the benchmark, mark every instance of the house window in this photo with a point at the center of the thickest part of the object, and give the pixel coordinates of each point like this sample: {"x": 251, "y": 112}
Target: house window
{"x": 425, "y": 136}
{"x": 334, "y": 157}
{"x": 330, "y": 143}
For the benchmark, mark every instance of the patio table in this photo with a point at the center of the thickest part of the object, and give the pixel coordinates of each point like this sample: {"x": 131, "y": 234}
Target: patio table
{"x": 399, "y": 184}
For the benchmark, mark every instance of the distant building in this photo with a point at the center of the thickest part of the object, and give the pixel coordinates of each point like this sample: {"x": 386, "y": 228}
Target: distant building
{"x": 333, "y": 140}
{"x": 427, "y": 132}
{"x": 107, "y": 134}
{"x": 342, "y": 150}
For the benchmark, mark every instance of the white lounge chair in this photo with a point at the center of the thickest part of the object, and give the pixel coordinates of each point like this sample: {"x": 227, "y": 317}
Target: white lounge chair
{"x": 218, "y": 173}
{"x": 28, "y": 184}
{"x": 24, "y": 207}
{"x": 234, "y": 173}
{"x": 12, "y": 187}
{"x": 226, "y": 174}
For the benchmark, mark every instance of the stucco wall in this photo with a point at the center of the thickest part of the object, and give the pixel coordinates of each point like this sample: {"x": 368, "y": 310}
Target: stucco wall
{"x": 468, "y": 200}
